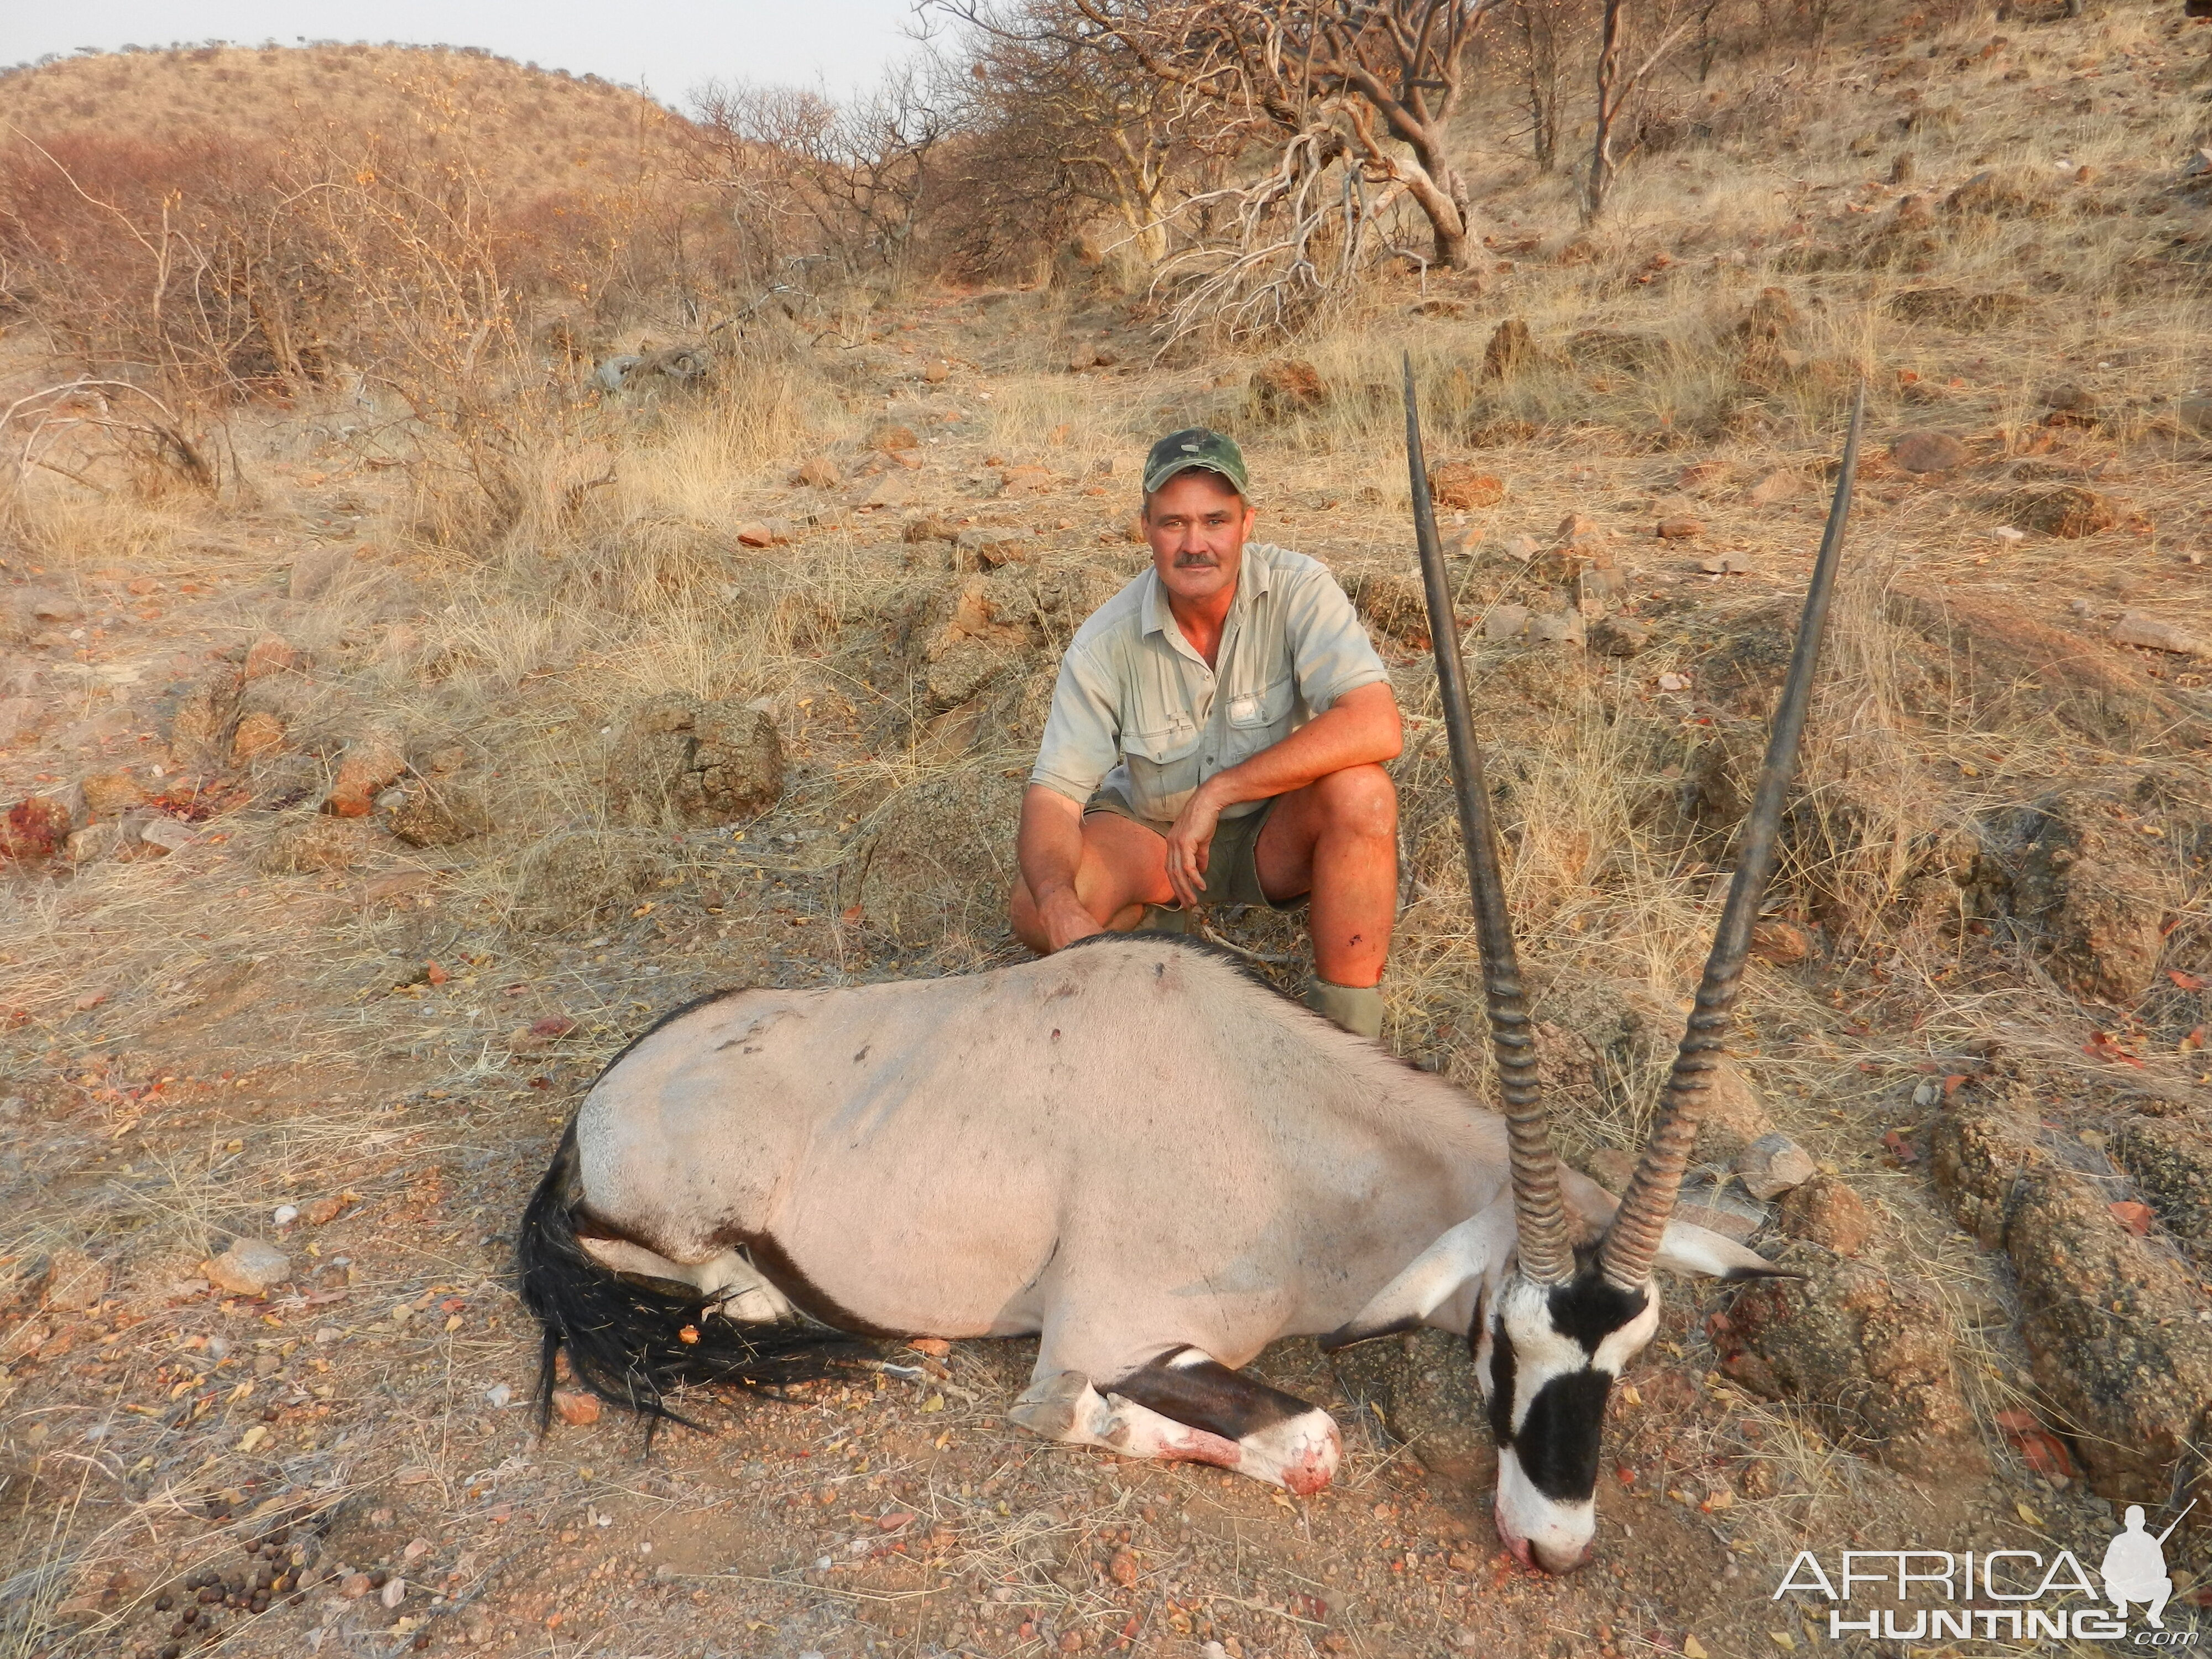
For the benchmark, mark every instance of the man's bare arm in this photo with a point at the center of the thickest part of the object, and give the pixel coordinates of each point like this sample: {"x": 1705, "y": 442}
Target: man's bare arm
{"x": 1361, "y": 728}
{"x": 1049, "y": 849}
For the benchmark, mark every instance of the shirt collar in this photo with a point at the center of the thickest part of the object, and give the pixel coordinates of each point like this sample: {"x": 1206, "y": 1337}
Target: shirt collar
{"x": 1254, "y": 574}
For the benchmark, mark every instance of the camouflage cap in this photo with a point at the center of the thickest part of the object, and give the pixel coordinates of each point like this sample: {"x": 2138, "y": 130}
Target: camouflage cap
{"x": 1196, "y": 448}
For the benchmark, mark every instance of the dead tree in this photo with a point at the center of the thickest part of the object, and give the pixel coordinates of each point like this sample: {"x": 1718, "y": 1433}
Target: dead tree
{"x": 1614, "y": 92}
{"x": 1381, "y": 78}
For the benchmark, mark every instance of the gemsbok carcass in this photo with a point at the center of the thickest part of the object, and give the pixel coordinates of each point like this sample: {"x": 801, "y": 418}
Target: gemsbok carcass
{"x": 1153, "y": 1164}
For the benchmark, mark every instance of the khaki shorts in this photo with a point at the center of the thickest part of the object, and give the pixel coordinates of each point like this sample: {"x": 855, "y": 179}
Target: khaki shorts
{"x": 1233, "y": 863}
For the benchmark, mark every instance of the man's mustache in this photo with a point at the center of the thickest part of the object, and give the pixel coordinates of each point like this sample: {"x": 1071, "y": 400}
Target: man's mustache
{"x": 1196, "y": 562}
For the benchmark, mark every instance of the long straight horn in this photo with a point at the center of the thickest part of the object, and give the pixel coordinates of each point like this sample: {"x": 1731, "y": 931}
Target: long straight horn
{"x": 1633, "y": 1242}
{"x": 1539, "y": 1218}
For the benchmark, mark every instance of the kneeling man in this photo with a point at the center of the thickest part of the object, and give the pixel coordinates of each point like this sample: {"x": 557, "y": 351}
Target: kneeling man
{"x": 1216, "y": 737}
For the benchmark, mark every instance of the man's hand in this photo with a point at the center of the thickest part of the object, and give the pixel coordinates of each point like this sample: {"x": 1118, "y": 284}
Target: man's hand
{"x": 1190, "y": 845}
{"x": 1064, "y": 919}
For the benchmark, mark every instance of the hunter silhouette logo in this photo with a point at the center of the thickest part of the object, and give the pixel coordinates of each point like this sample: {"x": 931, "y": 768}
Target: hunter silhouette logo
{"x": 2020, "y": 1595}
{"x": 2134, "y": 1569}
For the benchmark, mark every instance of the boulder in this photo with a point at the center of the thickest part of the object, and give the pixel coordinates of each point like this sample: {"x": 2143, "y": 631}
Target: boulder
{"x": 2068, "y": 512}
{"x": 2090, "y": 890}
{"x": 199, "y": 732}
{"x": 1870, "y": 1350}
{"x": 1393, "y": 604}
{"x": 2170, "y": 1161}
{"x": 696, "y": 763}
{"x": 306, "y": 845}
{"x": 1928, "y": 452}
{"x": 1826, "y": 1212}
{"x": 372, "y": 762}
{"x": 2118, "y": 1354}
{"x": 438, "y": 814}
{"x": 33, "y": 828}
{"x": 1510, "y": 350}
{"x": 1773, "y": 316}
{"x": 258, "y": 735}
{"x": 574, "y": 879}
{"x": 1285, "y": 387}
{"x": 941, "y": 858}
{"x": 1460, "y": 486}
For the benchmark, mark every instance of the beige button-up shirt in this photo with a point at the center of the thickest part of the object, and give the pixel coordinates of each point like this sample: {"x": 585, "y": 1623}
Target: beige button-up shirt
{"x": 1137, "y": 708}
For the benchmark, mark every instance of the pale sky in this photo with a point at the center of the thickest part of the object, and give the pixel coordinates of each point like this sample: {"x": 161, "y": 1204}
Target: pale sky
{"x": 668, "y": 46}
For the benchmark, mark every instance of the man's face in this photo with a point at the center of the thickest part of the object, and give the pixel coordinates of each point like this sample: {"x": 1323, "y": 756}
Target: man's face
{"x": 1196, "y": 524}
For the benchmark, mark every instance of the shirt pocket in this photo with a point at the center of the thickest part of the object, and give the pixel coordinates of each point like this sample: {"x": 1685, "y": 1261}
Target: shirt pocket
{"x": 1258, "y": 719}
{"x": 1163, "y": 767}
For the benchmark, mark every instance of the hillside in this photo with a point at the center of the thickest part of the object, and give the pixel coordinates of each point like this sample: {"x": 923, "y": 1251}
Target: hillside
{"x": 539, "y": 131}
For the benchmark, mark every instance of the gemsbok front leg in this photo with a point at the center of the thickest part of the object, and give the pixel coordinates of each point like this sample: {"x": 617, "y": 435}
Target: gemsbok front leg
{"x": 1187, "y": 1407}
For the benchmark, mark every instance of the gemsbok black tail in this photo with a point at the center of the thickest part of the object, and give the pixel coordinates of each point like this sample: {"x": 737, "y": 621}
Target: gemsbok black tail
{"x": 634, "y": 1340}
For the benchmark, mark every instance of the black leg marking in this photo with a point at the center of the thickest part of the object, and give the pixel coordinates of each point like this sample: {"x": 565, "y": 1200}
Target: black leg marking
{"x": 1208, "y": 1395}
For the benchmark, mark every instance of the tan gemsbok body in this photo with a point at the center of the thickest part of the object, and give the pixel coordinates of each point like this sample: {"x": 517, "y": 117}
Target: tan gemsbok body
{"x": 1152, "y": 1162}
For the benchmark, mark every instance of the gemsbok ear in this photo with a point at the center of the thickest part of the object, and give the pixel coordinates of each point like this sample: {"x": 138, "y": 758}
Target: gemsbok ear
{"x": 1449, "y": 1271}
{"x": 1685, "y": 1249}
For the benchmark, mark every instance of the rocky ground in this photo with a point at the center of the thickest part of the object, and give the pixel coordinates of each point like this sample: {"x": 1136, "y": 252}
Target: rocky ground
{"x": 338, "y": 856}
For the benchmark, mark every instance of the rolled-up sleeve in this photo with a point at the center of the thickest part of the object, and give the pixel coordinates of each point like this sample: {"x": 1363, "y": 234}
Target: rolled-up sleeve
{"x": 1330, "y": 652}
{"x": 1083, "y": 734}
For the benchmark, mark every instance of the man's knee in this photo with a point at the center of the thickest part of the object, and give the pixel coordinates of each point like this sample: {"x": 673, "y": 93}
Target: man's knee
{"x": 1361, "y": 799}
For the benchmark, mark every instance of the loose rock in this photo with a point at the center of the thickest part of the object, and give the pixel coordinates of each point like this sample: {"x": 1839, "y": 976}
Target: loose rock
{"x": 1784, "y": 944}
{"x": 1679, "y": 530}
{"x": 1506, "y": 622}
{"x": 575, "y": 1407}
{"x": 2156, "y": 634}
{"x": 818, "y": 473}
{"x": 269, "y": 654}
{"x": 168, "y": 834}
{"x": 1772, "y": 1165}
{"x": 110, "y": 794}
{"x": 1618, "y": 636}
{"x": 1928, "y": 452}
{"x": 250, "y": 1266}
{"x": 763, "y": 532}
